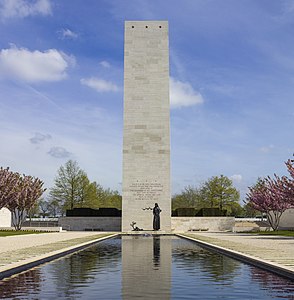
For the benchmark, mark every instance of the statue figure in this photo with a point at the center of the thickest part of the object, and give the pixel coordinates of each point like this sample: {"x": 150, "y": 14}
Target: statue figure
{"x": 135, "y": 228}
{"x": 156, "y": 217}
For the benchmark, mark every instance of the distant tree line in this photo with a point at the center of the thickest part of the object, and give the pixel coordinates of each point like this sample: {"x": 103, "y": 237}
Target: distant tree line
{"x": 73, "y": 189}
{"x": 21, "y": 194}
{"x": 216, "y": 192}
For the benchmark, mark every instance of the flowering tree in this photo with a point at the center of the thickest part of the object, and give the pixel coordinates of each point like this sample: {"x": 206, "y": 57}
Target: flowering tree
{"x": 270, "y": 196}
{"x": 289, "y": 183}
{"x": 19, "y": 194}
{"x": 29, "y": 191}
{"x": 8, "y": 184}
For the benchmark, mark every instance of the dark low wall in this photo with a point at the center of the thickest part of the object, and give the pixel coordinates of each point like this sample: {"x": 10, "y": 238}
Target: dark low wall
{"x": 90, "y": 223}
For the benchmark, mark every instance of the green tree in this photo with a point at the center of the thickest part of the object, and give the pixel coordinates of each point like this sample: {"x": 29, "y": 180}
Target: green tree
{"x": 114, "y": 199}
{"x": 107, "y": 197}
{"x": 249, "y": 211}
{"x": 100, "y": 195}
{"x": 68, "y": 186}
{"x": 235, "y": 210}
{"x": 55, "y": 208}
{"x": 87, "y": 196}
{"x": 43, "y": 207}
{"x": 73, "y": 189}
{"x": 189, "y": 197}
{"x": 219, "y": 191}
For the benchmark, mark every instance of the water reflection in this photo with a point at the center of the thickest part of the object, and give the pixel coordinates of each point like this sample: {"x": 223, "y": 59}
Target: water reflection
{"x": 25, "y": 283}
{"x": 146, "y": 267}
{"x": 156, "y": 251}
{"x": 145, "y": 272}
{"x": 78, "y": 276}
{"x": 82, "y": 269}
{"x": 273, "y": 284}
{"x": 187, "y": 255}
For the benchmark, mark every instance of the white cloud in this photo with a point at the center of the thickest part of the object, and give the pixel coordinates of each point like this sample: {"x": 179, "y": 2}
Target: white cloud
{"x": 183, "y": 94}
{"x": 100, "y": 85}
{"x": 237, "y": 178}
{"x": 23, "y": 8}
{"x": 105, "y": 64}
{"x": 67, "y": 34}
{"x": 39, "y": 137}
{"x": 59, "y": 152}
{"x": 34, "y": 66}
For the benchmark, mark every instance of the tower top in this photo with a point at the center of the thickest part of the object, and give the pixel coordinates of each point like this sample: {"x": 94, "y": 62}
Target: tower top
{"x": 146, "y": 24}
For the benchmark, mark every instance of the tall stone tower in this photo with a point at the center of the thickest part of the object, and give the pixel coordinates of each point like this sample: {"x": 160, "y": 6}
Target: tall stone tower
{"x": 146, "y": 136}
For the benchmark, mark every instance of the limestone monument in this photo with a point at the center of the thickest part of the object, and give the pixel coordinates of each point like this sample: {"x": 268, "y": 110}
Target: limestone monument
{"x": 5, "y": 217}
{"x": 146, "y": 136}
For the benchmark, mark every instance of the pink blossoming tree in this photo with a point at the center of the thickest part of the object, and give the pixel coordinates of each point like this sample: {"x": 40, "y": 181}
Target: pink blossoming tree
{"x": 290, "y": 182}
{"x": 268, "y": 196}
{"x": 19, "y": 193}
{"x": 273, "y": 196}
{"x": 8, "y": 184}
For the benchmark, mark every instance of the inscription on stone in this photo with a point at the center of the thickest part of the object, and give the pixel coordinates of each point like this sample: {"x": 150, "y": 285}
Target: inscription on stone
{"x": 146, "y": 190}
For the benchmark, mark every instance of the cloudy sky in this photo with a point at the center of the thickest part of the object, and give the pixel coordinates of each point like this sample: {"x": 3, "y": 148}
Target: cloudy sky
{"x": 231, "y": 86}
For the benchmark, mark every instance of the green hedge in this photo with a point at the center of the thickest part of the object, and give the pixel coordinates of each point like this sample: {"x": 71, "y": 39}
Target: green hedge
{"x": 211, "y": 212}
{"x": 203, "y": 212}
{"x": 90, "y": 212}
{"x": 185, "y": 212}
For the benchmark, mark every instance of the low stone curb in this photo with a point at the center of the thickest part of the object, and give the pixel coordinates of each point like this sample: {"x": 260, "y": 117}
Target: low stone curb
{"x": 258, "y": 262}
{"x": 21, "y": 266}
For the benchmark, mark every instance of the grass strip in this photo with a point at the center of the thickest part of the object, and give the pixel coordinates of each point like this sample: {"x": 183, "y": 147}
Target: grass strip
{"x": 278, "y": 232}
{"x": 19, "y": 232}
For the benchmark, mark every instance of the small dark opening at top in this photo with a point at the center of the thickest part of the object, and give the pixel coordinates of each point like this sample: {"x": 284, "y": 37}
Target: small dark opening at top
{"x": 133, "y": 26}
{"x": 146, "y": 26}
{"x": 159, "y": 26}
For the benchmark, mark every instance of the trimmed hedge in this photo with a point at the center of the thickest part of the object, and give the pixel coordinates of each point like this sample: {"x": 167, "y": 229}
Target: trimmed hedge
{"x": 203, "y": 212}
{"x": 211, "y": 212}
{"x": 185, "y": 212}
{"x": 90, "y": 212}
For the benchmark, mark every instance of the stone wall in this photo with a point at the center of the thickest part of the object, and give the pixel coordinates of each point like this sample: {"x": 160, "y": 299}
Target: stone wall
{"x": 179, "y": 224}
{"x": 184, "y": 224}
{"x": 5, "y": 217}
{"x": 90, "y": 223}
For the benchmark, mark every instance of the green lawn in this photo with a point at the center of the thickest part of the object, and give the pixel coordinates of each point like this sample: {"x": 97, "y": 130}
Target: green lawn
{"x": 20, "y": 232}
{"x": 278, "y": 232}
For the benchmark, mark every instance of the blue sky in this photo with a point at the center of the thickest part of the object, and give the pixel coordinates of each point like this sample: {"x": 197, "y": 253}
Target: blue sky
{"x": 231, "y": 87}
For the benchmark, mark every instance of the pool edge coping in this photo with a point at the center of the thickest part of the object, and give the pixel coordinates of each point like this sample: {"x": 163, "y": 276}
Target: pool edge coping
{"x": 249, "y": 259}
{"x": 29, "y": 263}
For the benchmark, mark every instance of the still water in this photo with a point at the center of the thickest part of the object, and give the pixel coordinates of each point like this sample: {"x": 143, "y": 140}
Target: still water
{"x": 139, "y": 267}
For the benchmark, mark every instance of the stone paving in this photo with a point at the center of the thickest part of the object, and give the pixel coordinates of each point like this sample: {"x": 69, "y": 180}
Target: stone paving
{"x": 277, "y": 250}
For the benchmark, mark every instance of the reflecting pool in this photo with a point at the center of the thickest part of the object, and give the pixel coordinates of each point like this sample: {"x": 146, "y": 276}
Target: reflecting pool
{"x": 146, "y": 267}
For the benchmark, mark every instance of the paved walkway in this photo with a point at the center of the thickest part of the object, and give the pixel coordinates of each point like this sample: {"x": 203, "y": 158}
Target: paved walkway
{"x": 272, "y": 251}
{"x": 18, "y": 253}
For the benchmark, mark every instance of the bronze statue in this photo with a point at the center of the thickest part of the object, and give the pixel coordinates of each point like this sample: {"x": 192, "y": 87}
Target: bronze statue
{"x": 156, "y": 217}
{"x": 135, "y": 228}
